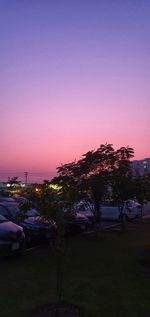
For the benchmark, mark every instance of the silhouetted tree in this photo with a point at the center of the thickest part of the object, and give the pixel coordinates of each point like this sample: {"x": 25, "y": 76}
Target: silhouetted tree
{"x": 97, "y": 171}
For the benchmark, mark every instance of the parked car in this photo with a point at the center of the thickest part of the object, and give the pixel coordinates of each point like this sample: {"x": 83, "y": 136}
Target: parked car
{"x": 9, "y": 210}
{"x": 21, "y": 200}
{"x": 87, "y": 209}
{"x": 35, "y": 227}
{"x": 129, "y": 210}
{"x": 11, "y": 237}
{"x": 75, "y": 222}
{"x": 7, "y": 199}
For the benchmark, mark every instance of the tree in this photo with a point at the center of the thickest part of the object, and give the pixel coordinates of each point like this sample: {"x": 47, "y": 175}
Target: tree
{"x": 97, "y": 171}
{"x": 122, "y": 179}
{"x": 141, "y": 188}
{"x": 50, "y": 207}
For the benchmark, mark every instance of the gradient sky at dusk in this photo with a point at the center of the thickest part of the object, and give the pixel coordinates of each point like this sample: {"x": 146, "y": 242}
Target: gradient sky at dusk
{"x": 73, "y": 74}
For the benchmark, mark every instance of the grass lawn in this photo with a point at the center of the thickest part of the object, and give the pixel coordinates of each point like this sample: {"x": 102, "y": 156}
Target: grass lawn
{"x": 101, "y": 275}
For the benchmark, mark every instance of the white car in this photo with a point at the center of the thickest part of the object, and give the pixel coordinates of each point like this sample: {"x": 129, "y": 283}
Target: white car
{"x": 86, "y": 209}
{"x": 130, "y": 209}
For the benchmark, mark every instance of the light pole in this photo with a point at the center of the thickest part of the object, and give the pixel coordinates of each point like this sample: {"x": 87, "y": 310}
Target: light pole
{"x": 26, "y": 177}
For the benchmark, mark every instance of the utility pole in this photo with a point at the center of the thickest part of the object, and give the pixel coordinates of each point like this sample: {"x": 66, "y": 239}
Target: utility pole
{"x": 26, "y": 177}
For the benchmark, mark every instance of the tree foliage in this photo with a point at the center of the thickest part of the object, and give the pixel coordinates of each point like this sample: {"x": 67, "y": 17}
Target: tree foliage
{"x": 96, "y": 172}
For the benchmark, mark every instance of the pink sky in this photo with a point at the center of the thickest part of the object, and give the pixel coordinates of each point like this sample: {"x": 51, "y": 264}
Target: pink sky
{"x": 72, "y": 78}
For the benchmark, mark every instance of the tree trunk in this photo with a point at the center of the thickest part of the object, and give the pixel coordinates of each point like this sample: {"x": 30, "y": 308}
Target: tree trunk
{"x": 97, "y": 218}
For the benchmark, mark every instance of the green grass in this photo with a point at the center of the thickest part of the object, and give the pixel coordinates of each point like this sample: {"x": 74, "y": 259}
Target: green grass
{"x": 101, "y": 275}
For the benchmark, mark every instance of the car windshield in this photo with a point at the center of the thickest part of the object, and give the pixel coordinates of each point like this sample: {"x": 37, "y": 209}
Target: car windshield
{"x": 2, "y": 219}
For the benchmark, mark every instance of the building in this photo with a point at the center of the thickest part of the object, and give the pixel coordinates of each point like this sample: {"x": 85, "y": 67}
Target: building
{"x": 141, "y": 167}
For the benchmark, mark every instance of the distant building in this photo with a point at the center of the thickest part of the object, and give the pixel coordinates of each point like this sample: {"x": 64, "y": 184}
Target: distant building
{"x": 141, "y": 167}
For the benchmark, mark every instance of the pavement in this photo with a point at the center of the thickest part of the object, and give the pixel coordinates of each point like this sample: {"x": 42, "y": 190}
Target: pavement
{"x": 108, "y": 225}
{"x": 146, "y": 216}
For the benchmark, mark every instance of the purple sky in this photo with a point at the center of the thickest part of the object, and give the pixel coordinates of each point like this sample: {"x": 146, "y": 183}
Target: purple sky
{"x": 73, "y": 74}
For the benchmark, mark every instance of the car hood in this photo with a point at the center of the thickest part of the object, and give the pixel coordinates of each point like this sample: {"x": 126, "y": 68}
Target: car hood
{"x": 80, "y": 216}
{"x": 9, "y": 226}
{"x": 86, "y": 213}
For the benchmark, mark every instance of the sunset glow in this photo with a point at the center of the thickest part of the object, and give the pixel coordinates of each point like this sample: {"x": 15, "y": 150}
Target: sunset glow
{"x": 74, "y": 75}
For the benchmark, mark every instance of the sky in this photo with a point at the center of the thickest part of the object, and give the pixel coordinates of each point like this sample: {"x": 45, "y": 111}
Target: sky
{"x": 74, "y": 74}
